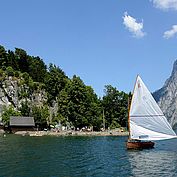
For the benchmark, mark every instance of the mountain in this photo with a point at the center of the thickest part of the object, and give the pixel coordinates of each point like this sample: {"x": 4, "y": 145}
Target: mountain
{"x": 166, "y": 97}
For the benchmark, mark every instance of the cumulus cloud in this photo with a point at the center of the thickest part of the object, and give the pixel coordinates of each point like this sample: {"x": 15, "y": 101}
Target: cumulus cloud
{"x": 133, "y": 26}
{"x": 165, "y": 4}
{"x": 170, "y": 33}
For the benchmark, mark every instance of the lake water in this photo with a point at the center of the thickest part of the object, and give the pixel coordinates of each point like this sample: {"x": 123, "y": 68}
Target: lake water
{"x": 83, "y": 157}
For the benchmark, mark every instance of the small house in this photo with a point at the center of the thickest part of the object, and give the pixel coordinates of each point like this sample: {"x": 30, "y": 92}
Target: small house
{"x": 18, "y": 123}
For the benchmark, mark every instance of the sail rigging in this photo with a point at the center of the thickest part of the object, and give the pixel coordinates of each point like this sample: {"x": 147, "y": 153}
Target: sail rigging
{"x": 147, "y": 121}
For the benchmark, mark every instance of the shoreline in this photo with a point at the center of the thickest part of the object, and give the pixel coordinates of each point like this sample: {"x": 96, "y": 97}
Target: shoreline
{"x": 71, "y": 133}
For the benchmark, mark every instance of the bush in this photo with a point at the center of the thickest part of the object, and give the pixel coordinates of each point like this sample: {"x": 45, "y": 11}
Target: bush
{"x": 2, "y": 75}
{"x": 26, "y": 77}
{"x": 41, "y": 115}
{"x": 25, "y": 109}
{"x": 17, "y": 74}
{"x": 10, "y": 71}
{"x": 114, "y": 125}
{"x": 7, "y": 112}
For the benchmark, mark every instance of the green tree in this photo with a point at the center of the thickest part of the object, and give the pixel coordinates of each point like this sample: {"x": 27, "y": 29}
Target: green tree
{"x": 3, "y": 58}
{"x": 7, "y": 112}
{"x": 22, "y": 59}
{"x": 10, "y": 71}
{"x": 79, "y": 105}
{"x": 26, "y": 77}
{"x": 45, "y": 115}
{"x": 93, "y": 109}
{"x": 115, "y": 105}
{"x": 37, "y": 69}
{"x": 41, "y": 115}
{"x": 55, "y": 81}
{"x": 12, "y": 60}
{"x": 63, "y": 103}
{"x": 25, "y": 109}
{"x": 2, "y": 76}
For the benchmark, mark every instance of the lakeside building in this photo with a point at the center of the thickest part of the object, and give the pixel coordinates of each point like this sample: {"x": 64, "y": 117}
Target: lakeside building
{"x": 18, "y": 123}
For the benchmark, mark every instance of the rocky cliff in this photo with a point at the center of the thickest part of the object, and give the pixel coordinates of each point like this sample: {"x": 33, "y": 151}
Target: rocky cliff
{"x": 14, "y": 91}
{"x": 166, "y": 97}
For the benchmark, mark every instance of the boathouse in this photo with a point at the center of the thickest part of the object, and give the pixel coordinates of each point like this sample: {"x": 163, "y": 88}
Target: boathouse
{"x": 18, "y": 123}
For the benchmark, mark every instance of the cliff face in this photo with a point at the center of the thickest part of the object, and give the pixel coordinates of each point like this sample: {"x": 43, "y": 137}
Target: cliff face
{"x": 14, "y": 91}
{"x": 166, "y": 97}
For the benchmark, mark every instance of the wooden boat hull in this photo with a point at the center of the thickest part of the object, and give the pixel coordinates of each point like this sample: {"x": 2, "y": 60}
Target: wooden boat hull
{"x": 140, "y": 144}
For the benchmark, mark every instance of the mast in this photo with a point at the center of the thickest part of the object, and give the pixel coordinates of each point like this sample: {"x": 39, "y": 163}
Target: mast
{"x": 128, "y": 117}
{"x": 129, "y": 106}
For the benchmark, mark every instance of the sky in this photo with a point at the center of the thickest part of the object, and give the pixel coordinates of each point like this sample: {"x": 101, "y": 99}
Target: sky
{"x": 104, "y": 42}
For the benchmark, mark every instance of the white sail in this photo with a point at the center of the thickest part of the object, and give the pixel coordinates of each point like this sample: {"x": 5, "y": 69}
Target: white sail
{"x": 147, "y": 122}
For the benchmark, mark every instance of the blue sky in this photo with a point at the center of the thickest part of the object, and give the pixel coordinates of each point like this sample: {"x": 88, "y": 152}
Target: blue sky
{"x": 102, "y": 41}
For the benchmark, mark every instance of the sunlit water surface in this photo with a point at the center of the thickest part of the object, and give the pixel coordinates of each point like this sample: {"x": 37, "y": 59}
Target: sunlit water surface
{"x": 83, "y": 156}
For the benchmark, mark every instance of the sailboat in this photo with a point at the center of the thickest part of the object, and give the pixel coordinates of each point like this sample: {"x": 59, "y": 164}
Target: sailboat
{"x": 146, "y": 121}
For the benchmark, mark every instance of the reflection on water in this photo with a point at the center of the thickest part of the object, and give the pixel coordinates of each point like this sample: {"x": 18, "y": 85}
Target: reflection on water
{"x": 83, "y": 156}
{"x": 160, "y": 161}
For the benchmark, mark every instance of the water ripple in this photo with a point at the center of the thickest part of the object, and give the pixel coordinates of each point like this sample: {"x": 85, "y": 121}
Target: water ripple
{"x": 83, "y": 157}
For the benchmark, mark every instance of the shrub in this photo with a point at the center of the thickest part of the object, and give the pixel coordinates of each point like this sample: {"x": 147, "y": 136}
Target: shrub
{"x": 10, "y": 71}
{"x": 7, "y": 112}
{"x": 17, "y": 74}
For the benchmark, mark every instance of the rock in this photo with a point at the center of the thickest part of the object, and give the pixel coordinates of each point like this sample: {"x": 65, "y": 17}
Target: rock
{"x": 2, "y": 131}
{"x": 13, "y": 91}
{"x": 166, "y": 97}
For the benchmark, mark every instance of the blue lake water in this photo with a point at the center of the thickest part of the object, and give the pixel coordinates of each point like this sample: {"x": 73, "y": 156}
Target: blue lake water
{"x": 83, "y": 156}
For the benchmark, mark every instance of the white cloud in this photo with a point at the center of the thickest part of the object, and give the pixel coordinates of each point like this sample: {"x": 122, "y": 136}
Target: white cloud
{"x": 170, "y": 33}
{"x": 165, "y": 4}
{"x": 133, "y": 26}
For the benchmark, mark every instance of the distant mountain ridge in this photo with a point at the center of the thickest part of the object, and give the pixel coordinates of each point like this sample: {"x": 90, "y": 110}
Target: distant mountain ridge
{"x": 166, "y": 97}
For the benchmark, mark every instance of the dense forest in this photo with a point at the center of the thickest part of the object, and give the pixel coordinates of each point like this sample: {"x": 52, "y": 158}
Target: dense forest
{"x": 77, "y": 104}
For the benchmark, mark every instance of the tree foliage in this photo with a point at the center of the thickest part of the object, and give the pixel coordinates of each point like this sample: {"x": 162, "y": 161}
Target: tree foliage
{"x": 7, "y": 112}
{"x": 41, "y": 115}
{"x": 55, "y": 81}
{"x": 78, "y": 105}
{"x": 115, "y": 105}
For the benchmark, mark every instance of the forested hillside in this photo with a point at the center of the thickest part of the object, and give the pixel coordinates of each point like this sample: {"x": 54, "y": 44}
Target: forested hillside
{"x": 29, "y": 87}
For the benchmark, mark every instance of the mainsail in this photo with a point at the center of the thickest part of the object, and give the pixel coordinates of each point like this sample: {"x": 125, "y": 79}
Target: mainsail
{"x": 147, "y": 121}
